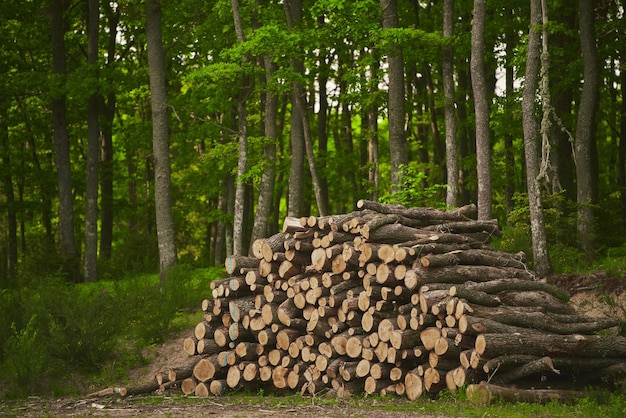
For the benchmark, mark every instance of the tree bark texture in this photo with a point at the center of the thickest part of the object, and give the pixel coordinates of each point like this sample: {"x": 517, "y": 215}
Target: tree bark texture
{"x": 160, "y": 140}
{"x": 531, "y": 139}
{"x": 452, "y": 165}
{"x": 242, "y": 139}
{"x": 585, "y": 129}
{"x": 293, "y": 13}
{"x": 69, "y": 251}
{"x": 266, "y": 191}
{"x": 396, "y": 101}
{"x": 481, "y": 109}
{"x": 93, "y": 149}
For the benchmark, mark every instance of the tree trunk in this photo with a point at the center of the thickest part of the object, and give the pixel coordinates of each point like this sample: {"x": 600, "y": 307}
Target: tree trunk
{"x": 9, "y": 194}
{"x": 396, "y": 103}
{"x": 481, "y": 109}
{"x": 69, "y": 252}
{"x": 322, "y": 116}
{"x": 106, "y": 162}
{"x": 93, "y": 149}
{"x": 293, "y": 14}
{"x": 466, "y": 133}
{"x": 452, "y": 165}
{"x": 585, "y": 129}
{"x": 531, "y": 138}
{"x": 622, "y": 151}
{"x": 242, "y": 135}
{"x": 562, "y": 52}
{"x": 160, "y": 140}
{"x": 484, "y": 393}
{"x": 295, "y": 200}
{"x": 510, "y": 40}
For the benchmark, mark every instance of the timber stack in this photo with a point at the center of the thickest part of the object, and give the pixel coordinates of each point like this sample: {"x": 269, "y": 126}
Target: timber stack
{"x": 390, "y": 299}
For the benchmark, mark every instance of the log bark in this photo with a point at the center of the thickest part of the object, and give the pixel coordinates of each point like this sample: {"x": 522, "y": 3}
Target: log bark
{"x": 485, "y": 393}
{"x": 235, "y": 263}
{"x": 464, "y": 213}
{"x": 536, "y": 318}
{"x": 584, "y": 346}
{"x": 460, "y": 274}
{"x": 534, "y": 299}
{"x": 543, "y": 365}
{"x": 472, "y": 257}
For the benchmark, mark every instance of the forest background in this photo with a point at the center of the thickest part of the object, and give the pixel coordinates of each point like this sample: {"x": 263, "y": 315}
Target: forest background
{"x": 140, "y": 136}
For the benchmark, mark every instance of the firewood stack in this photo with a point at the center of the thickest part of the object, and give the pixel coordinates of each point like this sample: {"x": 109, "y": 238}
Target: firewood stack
{"x": 390, "y": 299}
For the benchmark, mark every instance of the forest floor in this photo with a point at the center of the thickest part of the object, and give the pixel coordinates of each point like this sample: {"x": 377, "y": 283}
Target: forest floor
{"x": 594, "y": 294}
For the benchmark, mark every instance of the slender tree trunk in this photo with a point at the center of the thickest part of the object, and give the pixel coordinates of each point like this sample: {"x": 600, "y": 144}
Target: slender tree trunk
{"x": 106, "y": 160}
{"x": 240, "y": 188}
{"x": 465, "y": 132}
{"x": 230, "y": 209}
{"x": 622, "y": 150}
{"x": 266, "y": 190}
{"x": 510, "y": 39}
{"x": 322, "y": 117}
{"x": 562, "y": 99}
{"x": 585, "y": 129}
{"x": 481, "y": 109}
{"x": 452, "y": 165}
{"x": 439, "y": 147}
{"x": 90, "y": 261}
{"x": 242, "y": 135}
{"x": 295, "y": 202}
{"x": 219, "y": 242}
{"x": 160, "y": 140}
{"x": 398, "y": 152}
{"x": 531, "y": 139}
{"x": 9, "y": 193}
{"x": 345, "y": 138}
{"x": 372, "y": 151}
{"x": 293, "y": 13}
{"x": 69, "y": 252}
{"x": 295, "y": 199}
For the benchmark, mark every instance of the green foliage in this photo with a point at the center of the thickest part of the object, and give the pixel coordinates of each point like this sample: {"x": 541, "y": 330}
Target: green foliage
{"x": 133, "y": 254}
{"x": 83, "y": 324}
{"x": 415, "y": 42}
{"x": 619, "y": 311}
{"x": 560, "y": 223}
{"x": 25, "y": 357}
{"x": 41, "y": 256}
{"x": 415, "y": 192}
{"x": 54, "y": 327}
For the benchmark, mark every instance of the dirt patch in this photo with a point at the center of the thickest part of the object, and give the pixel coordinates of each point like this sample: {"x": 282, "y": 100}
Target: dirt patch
{"x": 162, "y": 358}
{"x": 597, "y": 294}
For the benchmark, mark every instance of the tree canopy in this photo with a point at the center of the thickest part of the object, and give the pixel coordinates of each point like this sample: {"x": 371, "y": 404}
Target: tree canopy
{"x": 300, "y": 108}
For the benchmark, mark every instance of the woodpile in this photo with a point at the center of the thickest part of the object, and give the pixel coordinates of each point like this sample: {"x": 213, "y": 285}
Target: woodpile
{"x": 389, "y": 299}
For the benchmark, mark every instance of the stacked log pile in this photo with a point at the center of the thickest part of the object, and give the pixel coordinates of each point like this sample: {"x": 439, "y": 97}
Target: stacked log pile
{"x": 390, "y": 299}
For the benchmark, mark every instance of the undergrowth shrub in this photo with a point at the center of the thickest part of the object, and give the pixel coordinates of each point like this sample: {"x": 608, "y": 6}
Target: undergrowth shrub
{"x": 25, "y": 357}
{"x": 560, "y": 223}
{"x": 133, "y": 254}
{"x": 84, "y": 325}
{"x": 55, "y": 328}
{"x": 414, "y": 191}
{"x": 11, "y": 317}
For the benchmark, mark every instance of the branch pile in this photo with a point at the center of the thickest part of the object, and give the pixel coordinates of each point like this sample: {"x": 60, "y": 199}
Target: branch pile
{"x": 391, "y": 299}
